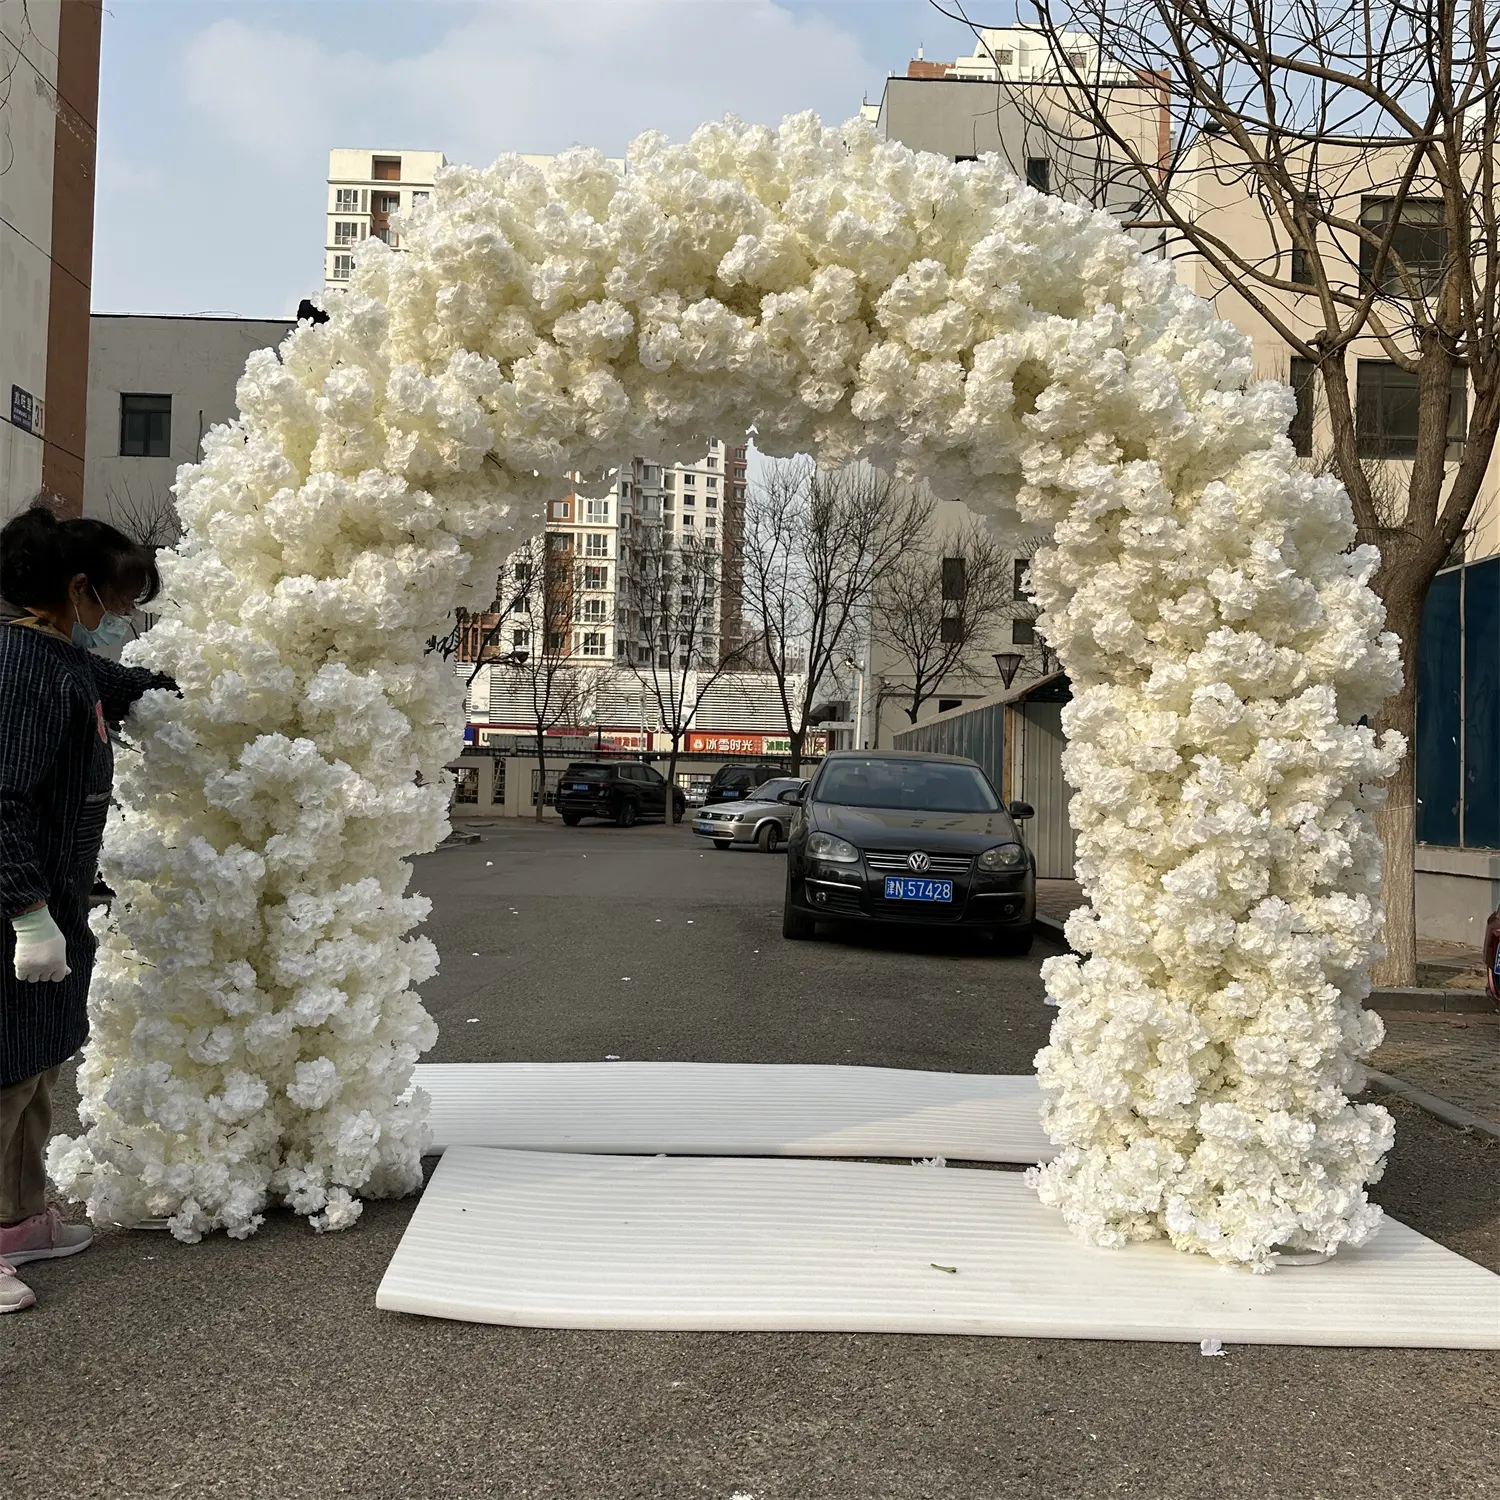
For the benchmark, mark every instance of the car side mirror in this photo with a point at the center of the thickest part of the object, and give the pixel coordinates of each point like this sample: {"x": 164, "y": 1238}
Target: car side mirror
{"x": 1020, "y": 811}
{"x": 792, "y": 796}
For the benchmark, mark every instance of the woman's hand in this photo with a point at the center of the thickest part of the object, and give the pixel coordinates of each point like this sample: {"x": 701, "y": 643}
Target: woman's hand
{"x": 41, "y": 950}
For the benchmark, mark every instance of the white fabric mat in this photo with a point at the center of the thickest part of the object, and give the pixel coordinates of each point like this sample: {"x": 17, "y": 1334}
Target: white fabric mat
{"x": 735, "y": 1109}
{"x": 557, "y": 1241}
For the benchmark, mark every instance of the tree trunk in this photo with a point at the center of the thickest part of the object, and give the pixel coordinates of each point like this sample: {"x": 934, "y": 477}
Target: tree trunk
{"x": 796, "y": 738}
{"x": 1397, "y": 820}
{"x": 541, "y": 775}
{"x": 666, "y": 821}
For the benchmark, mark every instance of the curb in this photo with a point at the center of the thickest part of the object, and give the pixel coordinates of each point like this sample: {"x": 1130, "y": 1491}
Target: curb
{"x": 1456, "y": 1002}
{"x": 457, "y": 841}
{"x": 1052, "y": 927}
{"x": 1440, "y": 1109}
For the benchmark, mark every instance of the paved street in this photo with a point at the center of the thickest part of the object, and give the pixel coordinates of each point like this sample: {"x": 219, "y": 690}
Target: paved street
{"x": 262, "y": 1369}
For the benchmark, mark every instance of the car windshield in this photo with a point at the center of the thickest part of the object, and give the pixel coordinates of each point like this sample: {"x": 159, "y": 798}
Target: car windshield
{"x": 769, "y": 791}
{"x": 920, "y": 785}
{"x": 586, "y": 768}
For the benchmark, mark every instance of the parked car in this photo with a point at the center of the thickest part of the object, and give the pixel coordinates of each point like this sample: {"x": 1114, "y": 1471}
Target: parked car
{"x": 763, "y": 820}
{"x": 1492, "y": 956}
{"x": 623, "y": 791}
{"x": 907, "y": 839}
{"x": 734, "y": 783}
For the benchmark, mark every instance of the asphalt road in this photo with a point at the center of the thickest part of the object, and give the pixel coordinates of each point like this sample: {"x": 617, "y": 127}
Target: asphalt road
{"x": 262, "y": 1369}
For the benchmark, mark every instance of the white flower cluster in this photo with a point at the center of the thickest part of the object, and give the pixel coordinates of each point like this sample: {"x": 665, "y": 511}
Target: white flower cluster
{"x": 255, "y": 1017}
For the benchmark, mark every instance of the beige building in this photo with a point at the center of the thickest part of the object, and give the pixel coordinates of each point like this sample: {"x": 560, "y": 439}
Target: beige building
{"x": 49, "y": 60}
{"x": 367, "y": 188}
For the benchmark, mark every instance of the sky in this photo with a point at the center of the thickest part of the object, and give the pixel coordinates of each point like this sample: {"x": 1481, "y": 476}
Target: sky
{"x": 216, "y": 116}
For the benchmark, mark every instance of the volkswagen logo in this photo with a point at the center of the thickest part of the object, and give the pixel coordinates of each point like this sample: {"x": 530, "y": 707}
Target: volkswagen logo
{"x": 918, "y": 862}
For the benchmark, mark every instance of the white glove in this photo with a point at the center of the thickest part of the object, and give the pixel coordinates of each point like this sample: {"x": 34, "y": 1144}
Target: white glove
{"x": 41, "y": 949}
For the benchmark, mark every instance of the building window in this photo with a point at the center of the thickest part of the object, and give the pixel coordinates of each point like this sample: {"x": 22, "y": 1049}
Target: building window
{"x": 596, "y": 611}
{"x": 969, "y": 156}
{"x": 1039, "y": 173}
{"x": 560, "y": 541}
{"x": 688, "y": 521}
{"x": 711, "y": 502}
{"x": 522, "y": 573}
{"x": 955, "y": 578}
{"x": 561, "y": 510}
{"x": 1305, "y": 387}
{"x": 596, "y": 544}
{"x": 1420, "y": 239}
{"x": 944, "y": 704}
{"x": 343, "y": 267}
{"x": 712, "y": 523}
{"x": 689, "y": 499}
{"x": 1023, "y": 632}
{"x": 1301, "y": 270}
{"x": 712, "y": 481}
{"x": 593, "y": 643}
{"x": 347, "y": 232}
{"x": 1021, "y": 581}
{"x": 385, "y": 169}
{"x": 520, "y": 638}
{"x": 710, "y": 463}
{"x": 689, "y": 479}
{"x": 1385, "y": 414}
{"x": 596, "y": 578}
{"x": 145, "y": 426}
{"x": 596, "y": 512}
{"x": 346, "y": 201}
{"x": 668, "y": 481}
{"x": 951, "y": 630}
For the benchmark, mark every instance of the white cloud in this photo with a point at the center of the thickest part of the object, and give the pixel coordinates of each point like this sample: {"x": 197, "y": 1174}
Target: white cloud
{"x": 237, "y": 118}
{"x": 527, "y": 76}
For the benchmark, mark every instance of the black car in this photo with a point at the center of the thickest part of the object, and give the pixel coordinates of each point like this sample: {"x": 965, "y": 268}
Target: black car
{"x": 910, "y": 839}
{"x": 735, "y": 782}
{"x": 623, "y": 791}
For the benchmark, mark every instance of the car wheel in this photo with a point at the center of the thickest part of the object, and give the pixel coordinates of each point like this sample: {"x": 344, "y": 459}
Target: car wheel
{"x": 722, "y": 843}
{"x": 678, "y": 809}
{"x": 1014, "y": 942}
{"x": 627, "y": 814}
{"x": 768, "y": 838}
{"x": 571, "y": 819}
{"x": 793, "y": 924}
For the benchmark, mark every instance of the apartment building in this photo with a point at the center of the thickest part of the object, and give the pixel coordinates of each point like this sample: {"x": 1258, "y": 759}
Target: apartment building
{"x": 49, "y": 105}
{"x": 366, "y": 189}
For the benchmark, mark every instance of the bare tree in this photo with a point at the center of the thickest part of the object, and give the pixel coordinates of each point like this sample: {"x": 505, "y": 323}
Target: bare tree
{"x": 148, "y": 519}
{"x": 551, "y": 686}
{"x": 1364, "y": 134}
{"x": 934, "y": 611}
{"x": 673, "y": 592}
{"x": 817, "y": 542}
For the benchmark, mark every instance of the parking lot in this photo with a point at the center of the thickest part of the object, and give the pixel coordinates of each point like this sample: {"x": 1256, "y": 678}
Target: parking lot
{"x": 263, "y": 1368}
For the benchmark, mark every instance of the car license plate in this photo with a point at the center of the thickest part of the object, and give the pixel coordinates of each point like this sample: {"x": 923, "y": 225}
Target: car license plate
{"x": 579, "y": 786}
{"x": 730, "y": 796}
{"x": 901, "y": 888}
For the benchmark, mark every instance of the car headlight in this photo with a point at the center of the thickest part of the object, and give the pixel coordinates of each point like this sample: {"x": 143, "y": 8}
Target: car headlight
{"x": 826, "y": 846}
{"x": 1003, "y": 857}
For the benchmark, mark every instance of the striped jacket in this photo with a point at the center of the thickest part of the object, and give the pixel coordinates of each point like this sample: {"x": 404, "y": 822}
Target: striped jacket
{"x": 56, "y": 771}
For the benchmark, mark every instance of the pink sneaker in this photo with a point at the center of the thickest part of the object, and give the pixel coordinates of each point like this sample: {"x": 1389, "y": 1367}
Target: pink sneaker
{"x": 44, "y": 1236}
{"x": 14, "y": 1293}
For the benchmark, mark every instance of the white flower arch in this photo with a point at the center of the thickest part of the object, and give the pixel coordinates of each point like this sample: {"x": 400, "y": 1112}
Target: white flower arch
{"x": 255, "y": 1017}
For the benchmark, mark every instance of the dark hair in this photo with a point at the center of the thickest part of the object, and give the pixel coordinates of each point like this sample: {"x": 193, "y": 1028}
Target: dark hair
{"x": 40, "y": 553}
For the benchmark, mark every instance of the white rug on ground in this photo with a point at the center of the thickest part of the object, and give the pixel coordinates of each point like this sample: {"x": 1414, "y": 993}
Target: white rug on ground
{"x": 735, "y": 1109}
{"x": 556, "y": 1241}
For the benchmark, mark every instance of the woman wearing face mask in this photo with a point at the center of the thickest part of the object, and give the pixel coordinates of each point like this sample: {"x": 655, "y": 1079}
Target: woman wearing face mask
{"x": 74, "y": 581}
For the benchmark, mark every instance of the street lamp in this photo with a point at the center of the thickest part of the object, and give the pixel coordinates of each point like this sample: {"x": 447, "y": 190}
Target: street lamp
{"x": 859, "y": 712}
{"x": 1008, "y": 663}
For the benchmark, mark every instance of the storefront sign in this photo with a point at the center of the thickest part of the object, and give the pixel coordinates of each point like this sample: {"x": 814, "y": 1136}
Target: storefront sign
{"x": 751, "y": 744}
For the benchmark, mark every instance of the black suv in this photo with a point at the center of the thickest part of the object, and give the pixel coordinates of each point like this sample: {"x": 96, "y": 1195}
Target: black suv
{"x": 735, "y": 783}
{"x": 623, "y": 791}
{"x": 900, "y": 838}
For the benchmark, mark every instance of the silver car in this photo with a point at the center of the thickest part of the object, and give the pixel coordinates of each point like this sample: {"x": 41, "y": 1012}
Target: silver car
{"x": 760, "y": 819}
